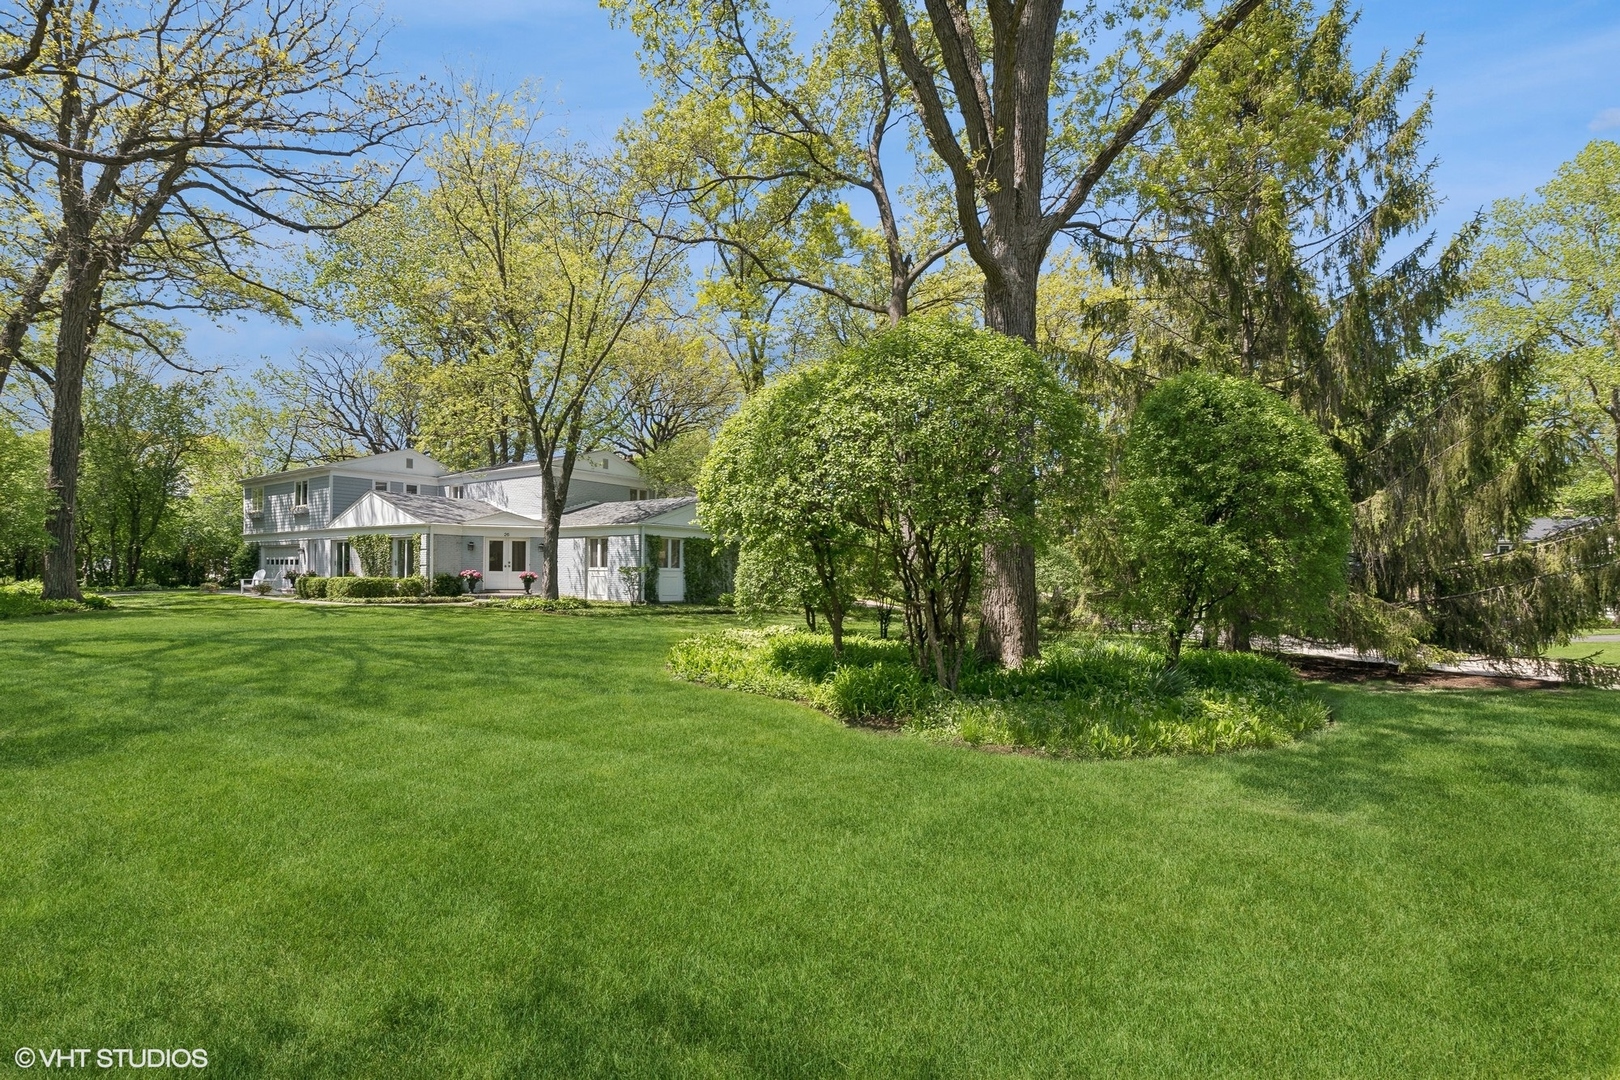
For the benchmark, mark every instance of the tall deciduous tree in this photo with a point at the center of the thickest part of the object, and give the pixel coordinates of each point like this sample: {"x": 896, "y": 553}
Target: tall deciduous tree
{"x": 1549, "y": 275}
{"x": 507, "y": 284}
{"x": 1028, "y": 128}
{"x": 171, "y": 134}
{"x": 140, "y": 437}
{"x": 776, "y": 140}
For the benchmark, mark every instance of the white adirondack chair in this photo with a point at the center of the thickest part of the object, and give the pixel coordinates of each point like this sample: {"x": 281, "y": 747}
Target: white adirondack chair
{"x": 248, "y": 583}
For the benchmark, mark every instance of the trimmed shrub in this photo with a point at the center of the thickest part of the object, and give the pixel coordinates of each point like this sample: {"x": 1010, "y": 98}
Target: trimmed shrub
{"x": 536, "y": 603}
{"x": 447, "y": 585}
{"x": 262, "y": 588}
{"x": 360, "y": 588}
{"x": 311, "y": 587}
{"x": 415, "y": 585}
{"x": 208, "y": 587}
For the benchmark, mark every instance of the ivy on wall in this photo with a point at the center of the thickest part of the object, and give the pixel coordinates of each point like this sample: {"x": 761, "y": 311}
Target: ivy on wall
{"x": 711, "y": 569}
{"x": 375, "y": 554}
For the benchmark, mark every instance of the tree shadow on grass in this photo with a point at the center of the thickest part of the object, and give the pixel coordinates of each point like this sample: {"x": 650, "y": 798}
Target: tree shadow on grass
{"x": 1393, "y": 747}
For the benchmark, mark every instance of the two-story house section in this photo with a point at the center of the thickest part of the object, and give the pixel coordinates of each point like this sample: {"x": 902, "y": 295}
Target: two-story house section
{"x": 288, "y": 513}
{"x": 489, "y": 520}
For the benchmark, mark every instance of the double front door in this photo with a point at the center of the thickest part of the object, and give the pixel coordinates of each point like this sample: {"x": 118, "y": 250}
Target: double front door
{"x": 505, "y": 558}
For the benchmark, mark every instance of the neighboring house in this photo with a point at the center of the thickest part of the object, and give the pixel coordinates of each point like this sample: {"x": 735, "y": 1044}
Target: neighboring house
{"x": 444, "y": 522}
{"x": 1542, "y": 529}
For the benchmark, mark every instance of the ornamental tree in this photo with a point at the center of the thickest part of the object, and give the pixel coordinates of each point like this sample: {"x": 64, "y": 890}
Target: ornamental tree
{"x": 1233, "y": 508}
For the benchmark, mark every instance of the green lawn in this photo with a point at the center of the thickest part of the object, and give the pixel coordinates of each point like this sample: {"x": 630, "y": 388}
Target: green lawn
{"x": 323, "y": 841}
{"x": 1602, "y": 652}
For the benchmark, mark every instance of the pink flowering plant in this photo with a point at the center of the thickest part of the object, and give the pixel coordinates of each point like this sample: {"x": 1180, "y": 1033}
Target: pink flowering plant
{"x": 472, "y": 578}
{"x": 528, "y": 578}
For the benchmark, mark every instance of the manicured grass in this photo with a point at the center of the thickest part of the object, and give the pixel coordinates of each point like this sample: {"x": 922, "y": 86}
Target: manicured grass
{"x": 1601, "y": 652}
{"x": 324, "y": 841}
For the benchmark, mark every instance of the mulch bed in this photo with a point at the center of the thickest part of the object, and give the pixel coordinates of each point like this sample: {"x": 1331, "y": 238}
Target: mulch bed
{"x": 1335, "y": 669}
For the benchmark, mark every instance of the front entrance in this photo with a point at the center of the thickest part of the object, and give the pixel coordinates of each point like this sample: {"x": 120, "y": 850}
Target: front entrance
{"x": 505, "y": 558}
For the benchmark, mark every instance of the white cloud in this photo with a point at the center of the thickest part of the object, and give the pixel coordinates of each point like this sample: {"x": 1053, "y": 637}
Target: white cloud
{"x": 1603, "y": 121}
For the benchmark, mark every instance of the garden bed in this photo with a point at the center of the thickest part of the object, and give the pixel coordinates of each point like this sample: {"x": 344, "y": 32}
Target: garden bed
{"x": 1084, "y": 698}
{"x": 27, "y": 598}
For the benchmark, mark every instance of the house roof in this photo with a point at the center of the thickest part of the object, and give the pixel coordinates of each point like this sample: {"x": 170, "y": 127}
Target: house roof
{"x": 436, "y": 510}
{"x": 1545, "y": 528}
{"x": 386, "y": 510}
{"x": 625, "y": 513}
{"x": 391, "y": 462}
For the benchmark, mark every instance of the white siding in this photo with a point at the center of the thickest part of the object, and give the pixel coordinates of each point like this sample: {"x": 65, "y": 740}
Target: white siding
{"x": 571, "y": 567}
{"x": 671, "y": 586}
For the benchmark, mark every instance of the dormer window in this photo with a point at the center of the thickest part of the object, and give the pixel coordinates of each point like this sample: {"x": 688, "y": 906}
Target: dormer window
{"x": 458, "y": 492}
{"x": 301, "y": 493}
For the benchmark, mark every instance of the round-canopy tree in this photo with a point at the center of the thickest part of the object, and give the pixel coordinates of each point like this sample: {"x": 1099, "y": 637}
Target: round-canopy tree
{"x": 918, "y": 446}
{"x": 1234, "y": 509}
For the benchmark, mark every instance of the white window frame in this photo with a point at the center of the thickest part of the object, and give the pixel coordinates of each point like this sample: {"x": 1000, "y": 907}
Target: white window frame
{"x": 596, "y": 552}
{"x": 379, "y": 485}
{"x": 255, "y": 500}
{"x": 410, "y": 489}
{"x": 669, "y": 553}
{"x": 301, "y": 493}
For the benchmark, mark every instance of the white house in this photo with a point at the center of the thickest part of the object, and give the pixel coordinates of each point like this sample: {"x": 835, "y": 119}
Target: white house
{"x": 444, "y": 522}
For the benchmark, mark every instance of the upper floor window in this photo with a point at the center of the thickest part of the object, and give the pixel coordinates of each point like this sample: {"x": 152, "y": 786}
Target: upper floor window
{"x": 641, "y": 493}
{"x": 458, "y": 492}
{"x": 255, "y": 500}
{"x": 669, "y": 553}
{"x": 301, "y": 493}
{"x": 410, "y": 489}
{"x": 410, "y": 463}
{"x": 380, "y": 485}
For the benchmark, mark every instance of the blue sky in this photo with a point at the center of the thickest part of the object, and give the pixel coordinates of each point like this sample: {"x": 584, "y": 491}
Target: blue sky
{"x": 1518, "y": 89}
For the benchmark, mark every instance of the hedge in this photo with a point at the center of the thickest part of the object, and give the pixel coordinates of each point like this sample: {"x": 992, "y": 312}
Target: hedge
{"x": 360, "y": 588}
{"x": 311, "y": 587}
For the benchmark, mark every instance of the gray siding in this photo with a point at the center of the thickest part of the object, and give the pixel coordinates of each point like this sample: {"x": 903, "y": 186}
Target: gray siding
{"x": 346, "y": 491}
{"x": 591, "y": 491}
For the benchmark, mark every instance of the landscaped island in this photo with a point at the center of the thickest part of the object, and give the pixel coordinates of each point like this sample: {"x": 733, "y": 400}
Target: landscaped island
{"x": 1083, "y": 698}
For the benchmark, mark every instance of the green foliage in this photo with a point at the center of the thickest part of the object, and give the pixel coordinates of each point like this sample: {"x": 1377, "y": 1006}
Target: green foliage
{"x": 538, "y": 603}
{"x": 140, "y": 436}
{"x": 915, "y": 449}
{"x": 415, "y": 585}
{"x": 447, "y": 585}
{"x": 1087, "y": 698}
{"x": 1098, "y": 699}
{"x": 245, "y": 560}
{"x": 23, "y": 499}
{"x": 361, "y": 588}
{"x": 26, "y": 598}
{"x": 710, "y": 568}
{"x": 376, "y": 554}
{"x": 887, "y": 690}
{"x": 311, "y": 587}
{"x": 1233, "y": 509}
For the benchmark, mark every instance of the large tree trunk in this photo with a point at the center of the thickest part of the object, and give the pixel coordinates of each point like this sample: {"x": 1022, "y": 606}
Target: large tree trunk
{"x": 74, "y": 333}
{"x": 1009, "y": 631}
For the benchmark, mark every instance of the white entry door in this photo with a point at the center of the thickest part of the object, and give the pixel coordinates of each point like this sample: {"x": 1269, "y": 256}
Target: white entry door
{"x": 505, "y": 558}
